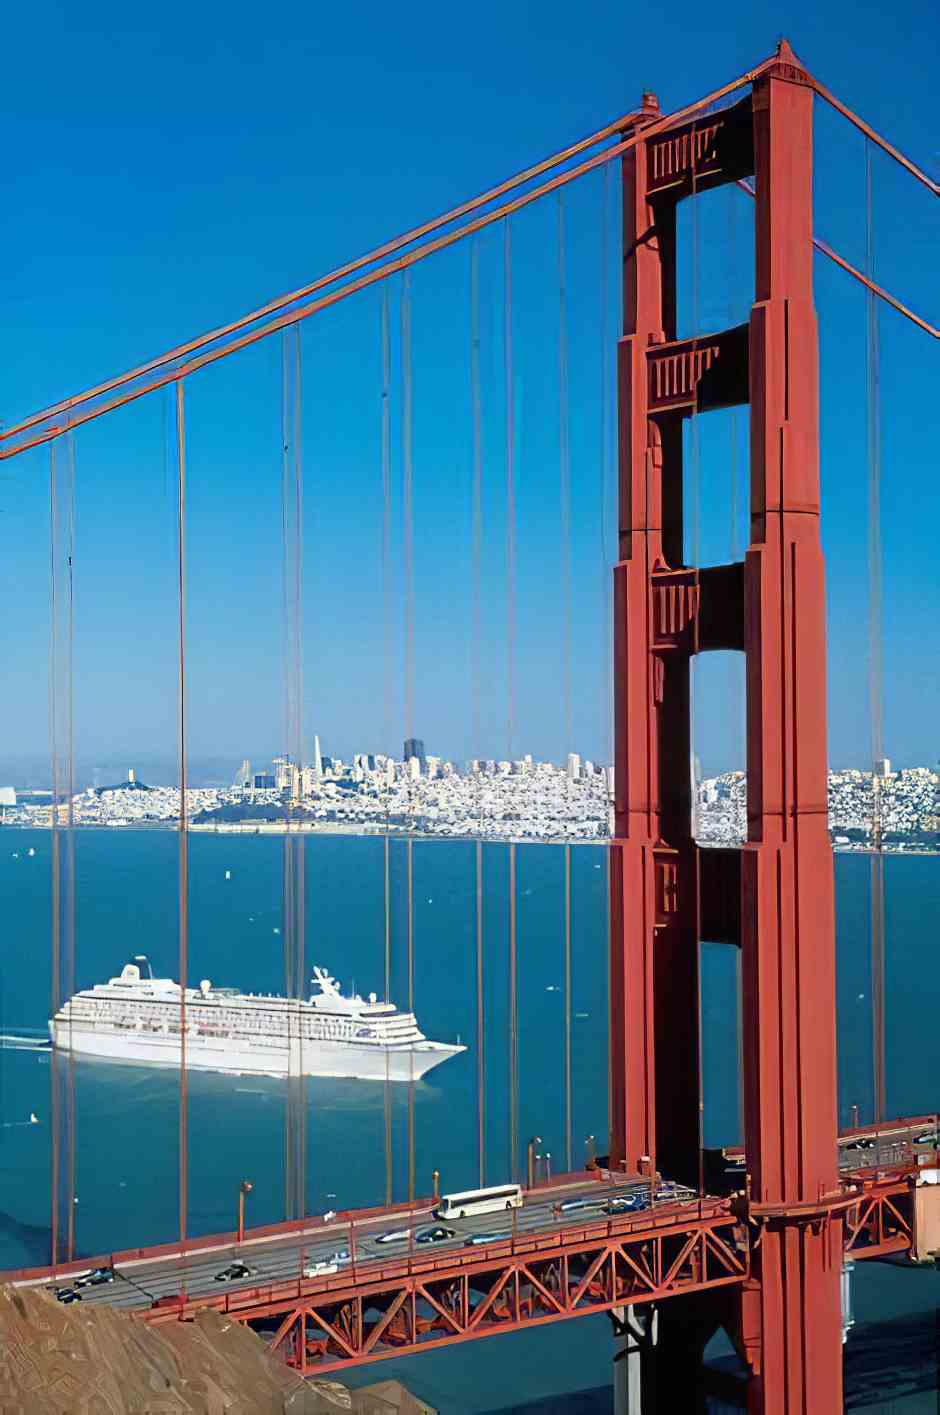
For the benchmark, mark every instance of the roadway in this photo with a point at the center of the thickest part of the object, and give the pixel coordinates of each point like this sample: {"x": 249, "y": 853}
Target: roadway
{"x": 140, "y": 1282}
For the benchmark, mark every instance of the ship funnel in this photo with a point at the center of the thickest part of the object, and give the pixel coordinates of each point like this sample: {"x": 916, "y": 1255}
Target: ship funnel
{"x": 143, "y": 964}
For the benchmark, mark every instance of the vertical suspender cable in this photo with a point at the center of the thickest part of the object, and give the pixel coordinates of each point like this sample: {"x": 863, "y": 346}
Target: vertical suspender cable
{"x": 407, "y": 496}
{"x": 61, "y": 724}
{"x": 68, "y": 891}
{"x": 564, "y": 461}
{"x": 411, "y": 1008}
{"x": 481, "y": 1035}
{"x": 477, "y": 495}
{"x": 695, "y": 458}
{"x": 476, "y": 668}
{"x": 388, "y": 1082}
{"x": 408, "y": 545}
{"x": 55, "y": 920}
{"x": 294, "y": 862}
{"x": 184, "y": 814}
{"x": 513, "y": 1023}
{"x": 386, "y": 413}
{"x": 734, "y": 551}
{"x": 568, "y": 1008}
{"x": 287, "y": 882}
{"x": 606, "y": 614}
{"x": 510, "y": 490}
{"x": 605, "y": 462}
{"x": 875, "y": 666}
{"x": 509, "y": 381}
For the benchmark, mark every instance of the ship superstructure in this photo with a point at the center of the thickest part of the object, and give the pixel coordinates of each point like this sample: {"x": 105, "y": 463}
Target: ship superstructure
{"x": 139, "y": 1018}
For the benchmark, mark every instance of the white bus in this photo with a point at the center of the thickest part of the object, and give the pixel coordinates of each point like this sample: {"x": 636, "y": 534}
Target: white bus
{"x": 479, "y": 1201}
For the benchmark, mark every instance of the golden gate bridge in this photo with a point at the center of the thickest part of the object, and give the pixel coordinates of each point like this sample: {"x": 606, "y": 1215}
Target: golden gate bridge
{"x": 759, "y": 1253}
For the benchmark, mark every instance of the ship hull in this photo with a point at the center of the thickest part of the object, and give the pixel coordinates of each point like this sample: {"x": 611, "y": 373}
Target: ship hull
{"x": 341, "y": 1060}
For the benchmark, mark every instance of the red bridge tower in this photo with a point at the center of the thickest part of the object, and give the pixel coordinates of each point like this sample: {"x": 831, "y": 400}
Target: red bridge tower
{"x": 774, "y": 897}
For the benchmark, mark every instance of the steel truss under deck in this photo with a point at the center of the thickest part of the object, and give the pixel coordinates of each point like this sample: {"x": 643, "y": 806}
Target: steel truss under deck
{"x": 437, "y": 1299}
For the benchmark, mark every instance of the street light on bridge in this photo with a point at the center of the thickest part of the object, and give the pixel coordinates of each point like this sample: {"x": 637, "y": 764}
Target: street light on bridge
{"x": 531, "y": 1157}
{"x": 244, "y": 1188}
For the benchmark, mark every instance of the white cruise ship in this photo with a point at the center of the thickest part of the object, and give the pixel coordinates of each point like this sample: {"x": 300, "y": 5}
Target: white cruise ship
{"x": 136, "y": 1018}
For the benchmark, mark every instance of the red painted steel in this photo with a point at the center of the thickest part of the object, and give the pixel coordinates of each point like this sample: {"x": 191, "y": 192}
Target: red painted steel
{"x": 895, "y": 1161}
{"x": 654, "y": 1094}
{"x": 393, "y": 1307}
{"x": 787, "y": 875}
{"x": 390, "y": 1308}
{"x": 790, "y": 1318}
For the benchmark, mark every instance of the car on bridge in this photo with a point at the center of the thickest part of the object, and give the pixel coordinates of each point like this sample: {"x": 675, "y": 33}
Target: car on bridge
{"x": 473, "y": 1240}
{"x": 573, "y": 1206}
{"x": 67, "y": 1295}
{"x": 395, "y": 1235}
{"x": 95, "y": 1278}
{"x": 439, "y": 1233}
{"x": 235, "y": 1271}
{"x": 321, "y": 1267}
{"x": 626, "y": 1204}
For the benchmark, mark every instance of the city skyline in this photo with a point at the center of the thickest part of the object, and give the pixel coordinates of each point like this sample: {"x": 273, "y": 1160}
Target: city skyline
{"x": 470, "y": 661}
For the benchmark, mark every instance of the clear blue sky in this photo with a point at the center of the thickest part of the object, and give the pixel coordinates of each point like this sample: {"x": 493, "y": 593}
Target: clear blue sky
{"x": 165, "y": 171}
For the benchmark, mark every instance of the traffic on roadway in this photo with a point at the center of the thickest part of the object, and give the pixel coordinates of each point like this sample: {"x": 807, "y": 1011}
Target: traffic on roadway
{"x": 330, "y": 1247}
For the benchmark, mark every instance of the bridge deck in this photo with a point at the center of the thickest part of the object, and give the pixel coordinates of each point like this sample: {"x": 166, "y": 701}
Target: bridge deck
{"x": 560, "y": 1255}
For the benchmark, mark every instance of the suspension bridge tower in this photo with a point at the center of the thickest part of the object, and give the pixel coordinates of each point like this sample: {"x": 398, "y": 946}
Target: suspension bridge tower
{"x": 773, "y": 898}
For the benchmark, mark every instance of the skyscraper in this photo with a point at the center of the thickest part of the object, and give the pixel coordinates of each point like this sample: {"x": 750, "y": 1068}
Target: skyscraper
{"x": 317, "y": 758}
{"x": 414, "y": 747}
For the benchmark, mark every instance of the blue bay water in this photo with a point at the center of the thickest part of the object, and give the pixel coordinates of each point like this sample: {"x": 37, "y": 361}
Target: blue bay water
{"x": 127, "y": 1118}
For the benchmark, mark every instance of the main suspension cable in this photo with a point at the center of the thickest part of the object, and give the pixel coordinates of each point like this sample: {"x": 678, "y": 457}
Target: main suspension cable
{"x": 341, "y": 272}
{"x": 874, "y": 137}
{"x": 79, "y": 414}
{"x": 831, "y": 254}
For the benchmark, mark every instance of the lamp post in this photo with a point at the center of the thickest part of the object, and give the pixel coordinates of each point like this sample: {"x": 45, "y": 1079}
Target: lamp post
{"x": 244, "y": 1188}
{"x": 531, "y": 1158}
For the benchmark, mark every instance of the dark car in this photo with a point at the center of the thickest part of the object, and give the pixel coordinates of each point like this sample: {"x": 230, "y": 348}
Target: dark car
{"x": 572, "y": 1206}
{"x": 67, "y": 1294}
{"x": 95, "y": 1278}
{"x": 626, "y": 1204}
{"x": 475, "y": 1239}
{"x": 438, "y": 1234}
{"x": 234, "y": 1271}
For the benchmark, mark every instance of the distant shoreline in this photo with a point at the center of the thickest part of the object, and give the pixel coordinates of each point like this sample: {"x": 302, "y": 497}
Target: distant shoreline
{"x": 362, "y": 831}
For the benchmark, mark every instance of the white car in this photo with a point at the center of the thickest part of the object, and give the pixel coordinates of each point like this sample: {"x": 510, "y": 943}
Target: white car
{"x": 397, "y": 1235}
{"x": 316, "y": 1266}
{"x": 321, "y": 1268}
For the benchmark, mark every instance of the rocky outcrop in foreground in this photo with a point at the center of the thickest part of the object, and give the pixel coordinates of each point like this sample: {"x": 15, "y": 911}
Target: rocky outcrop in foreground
{"x": 95, "y": 1360}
